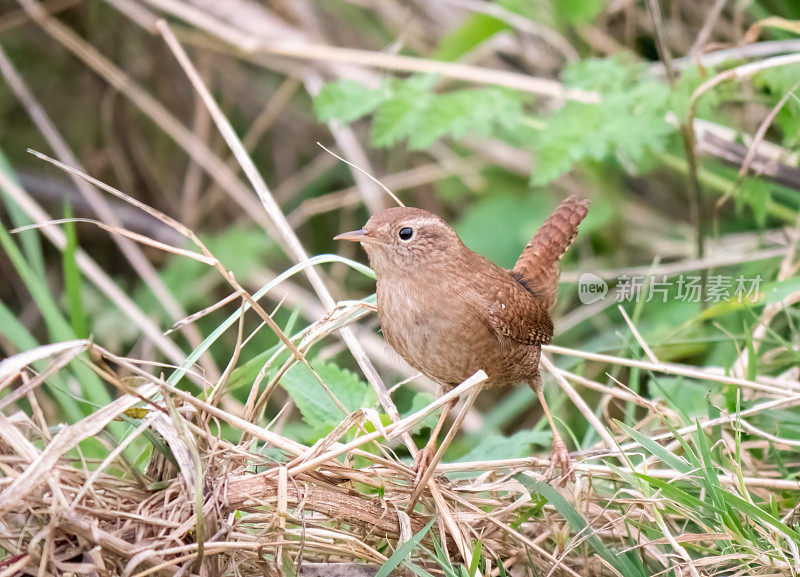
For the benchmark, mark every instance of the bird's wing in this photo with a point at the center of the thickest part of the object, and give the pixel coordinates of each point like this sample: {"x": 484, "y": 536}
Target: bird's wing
{"x": 514, "y": 314}
{"x": 537, "y": 268}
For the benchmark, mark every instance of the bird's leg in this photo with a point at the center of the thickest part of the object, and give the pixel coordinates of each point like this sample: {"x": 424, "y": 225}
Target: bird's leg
{"x": 559, "y": 457}
{"x": 425, "y": 456}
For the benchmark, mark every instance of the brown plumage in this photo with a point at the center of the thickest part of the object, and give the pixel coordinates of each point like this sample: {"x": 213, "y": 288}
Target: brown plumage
{"x": 538, "y": 265}
{"x": 448, "y": 311}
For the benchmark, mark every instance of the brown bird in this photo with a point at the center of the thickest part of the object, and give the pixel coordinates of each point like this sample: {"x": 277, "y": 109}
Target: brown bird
{"x": 449, "y": 311}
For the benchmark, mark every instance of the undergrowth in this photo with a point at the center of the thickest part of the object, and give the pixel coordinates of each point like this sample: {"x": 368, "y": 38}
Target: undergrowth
{"x": 193, "y": 403}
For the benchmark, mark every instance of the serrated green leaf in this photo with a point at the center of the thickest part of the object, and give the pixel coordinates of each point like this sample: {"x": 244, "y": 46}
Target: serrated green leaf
{"x": 627, "y": 124}
{"x": 318, "y": 409}
{"x": 348, "y": 100}
{"x": 398, "y": 117}
{"x": 495, "y": 446}
{"x": 475, "y": 112}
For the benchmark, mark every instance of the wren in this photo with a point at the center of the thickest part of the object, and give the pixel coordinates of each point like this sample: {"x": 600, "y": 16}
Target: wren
{"x": 448, "y": 311}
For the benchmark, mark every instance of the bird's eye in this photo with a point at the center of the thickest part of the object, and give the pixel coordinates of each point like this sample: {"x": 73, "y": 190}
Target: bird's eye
{"x": 406, "y": 233}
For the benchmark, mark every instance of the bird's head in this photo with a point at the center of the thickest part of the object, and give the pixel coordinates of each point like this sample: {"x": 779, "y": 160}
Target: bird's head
{"x": 403, "y": 239}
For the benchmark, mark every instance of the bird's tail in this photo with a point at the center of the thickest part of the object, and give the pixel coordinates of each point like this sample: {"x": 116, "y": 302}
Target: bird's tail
{"x": 538, "y": 266}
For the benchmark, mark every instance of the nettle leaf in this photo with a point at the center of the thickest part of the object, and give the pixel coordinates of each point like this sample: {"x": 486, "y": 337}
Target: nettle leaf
{"x": 419, "y": 402}
{"x": 348, "y": 100}
{"x": 777, "y": 82}
{"x": 681, "y": 95}
{"x": 316, "y": 406}
{"x": 399, "y": 116}
{"x": 409, "y": 109}
{"x": 628, "y": 124}
{"x": 496, "y": 447}
{"x": 755, "y": 193}
{"x": 475, "y": 112}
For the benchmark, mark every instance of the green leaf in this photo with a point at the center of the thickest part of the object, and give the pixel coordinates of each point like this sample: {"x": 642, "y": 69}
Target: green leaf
{"x": 29, "y": 239}
{"x": 628, "y": 564}
{"x": 668, "y": 458}
{"x": 472, "y": 33}
{"x": 578, "y": 11}
{"x": 399, "y": 116}
{"x": 403, "y": 551}
{"x": 495, "y": 446}
{"x": 419, "y": 402}
{"x": 317, "y": 407}
{"x": 477, "y": 552}
{"x": 628, "y": 124}
{"x": 73, "y": 281}
{"x": 778, "y": 80}
{"x": 348, "y": 100}
{"x": 755, "y": 193}
{"x": 475, "y": 112}
{"x": 688, "y": 501}
{"x": 91, "y": 387}
{"x": 750, "y": 510}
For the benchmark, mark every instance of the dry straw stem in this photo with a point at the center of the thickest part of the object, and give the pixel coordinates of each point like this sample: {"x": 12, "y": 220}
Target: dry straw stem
{"x": 785, "y": 387}
{"x": 739, "y": 73}
{"x": 251, "y": 44}
{"x": 787, "y": 269}
{"x": 316, "y": 504}
{"x": 272, "y": 208}
{"x": 99, "y": 205}
{"x": 191, "y": 236}
{"x": 93, "y": 272}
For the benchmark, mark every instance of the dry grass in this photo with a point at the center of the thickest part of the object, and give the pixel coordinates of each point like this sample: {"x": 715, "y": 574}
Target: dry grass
{"x": 227, "y": 508}
{"x": 199, "y": 484}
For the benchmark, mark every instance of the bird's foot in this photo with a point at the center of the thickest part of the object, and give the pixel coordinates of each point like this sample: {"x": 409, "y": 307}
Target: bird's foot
{"x": 422, "y": 461}
{"x": 559, "y": 459}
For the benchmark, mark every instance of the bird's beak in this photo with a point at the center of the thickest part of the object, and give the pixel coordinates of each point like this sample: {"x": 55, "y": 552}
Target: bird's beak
{"x": 353, "y": 235}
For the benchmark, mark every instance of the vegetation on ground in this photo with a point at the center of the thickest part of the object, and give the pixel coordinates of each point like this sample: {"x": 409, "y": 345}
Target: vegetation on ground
{"x": 193, "y": 378}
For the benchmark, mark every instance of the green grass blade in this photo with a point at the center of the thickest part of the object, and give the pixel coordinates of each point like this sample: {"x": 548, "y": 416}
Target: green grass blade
{"x": 92, "y": 388}
{"x": 73, "y": 280}
{"x": 626, "y": 565}
{"x": 29, "y": 239}
{"x": 668, "y": 458}
{"x": 403, "y": 551}
{"x": 234, "y": 317}
{"x": 688, "y": 501}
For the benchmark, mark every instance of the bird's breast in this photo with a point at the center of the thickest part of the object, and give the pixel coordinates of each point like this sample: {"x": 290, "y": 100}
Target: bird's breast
{"x": 438, "y": 329}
